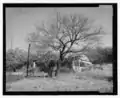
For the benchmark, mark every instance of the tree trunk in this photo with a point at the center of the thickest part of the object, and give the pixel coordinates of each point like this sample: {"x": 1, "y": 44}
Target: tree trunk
{"x": 61, "y": 57}
{"x": 59, "y": 62}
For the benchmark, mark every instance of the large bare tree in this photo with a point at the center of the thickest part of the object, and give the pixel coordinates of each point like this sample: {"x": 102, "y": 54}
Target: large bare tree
{"x": 66, "y": 34}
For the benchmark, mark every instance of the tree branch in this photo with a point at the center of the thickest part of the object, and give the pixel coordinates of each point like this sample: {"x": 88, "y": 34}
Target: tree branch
{"x": 76, "y": 51}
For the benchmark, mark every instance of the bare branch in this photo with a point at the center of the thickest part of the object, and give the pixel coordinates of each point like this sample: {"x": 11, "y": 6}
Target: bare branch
{"x": 76, "y": 51}
{"x": 42, "y": 29}
{"x": 68, "y": 31}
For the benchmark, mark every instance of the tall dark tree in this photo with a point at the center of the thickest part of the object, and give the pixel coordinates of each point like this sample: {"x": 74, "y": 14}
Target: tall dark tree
{"x": 66, "y": 33}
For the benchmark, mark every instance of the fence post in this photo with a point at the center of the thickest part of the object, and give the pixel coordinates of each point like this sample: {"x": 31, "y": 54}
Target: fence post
{"x": 28, "y": 59}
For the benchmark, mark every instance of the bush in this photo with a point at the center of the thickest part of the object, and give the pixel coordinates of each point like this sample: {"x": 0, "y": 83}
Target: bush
{"x": 47, "y": 57}
{"x": 100, "y": 55}
{"x": 67, "y": 62}
{"x": 15, "y": 59}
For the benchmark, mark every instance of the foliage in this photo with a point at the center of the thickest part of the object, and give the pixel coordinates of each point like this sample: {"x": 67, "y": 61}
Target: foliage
{"x": 15, "y": 59}
{"x": 100, "y": 55}
{"x": 46, "y": 57}
{"x": 106, "y": 54}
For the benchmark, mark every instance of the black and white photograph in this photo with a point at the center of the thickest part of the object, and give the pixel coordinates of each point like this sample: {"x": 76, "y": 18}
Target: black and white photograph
{"x": 59, "y": 49}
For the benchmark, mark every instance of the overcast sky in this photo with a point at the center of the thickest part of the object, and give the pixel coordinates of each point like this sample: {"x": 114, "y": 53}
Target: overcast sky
{"x": 21, "y": 21}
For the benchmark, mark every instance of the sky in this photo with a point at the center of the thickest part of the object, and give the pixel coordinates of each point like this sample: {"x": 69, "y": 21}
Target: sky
{"x": 21, "y": 21}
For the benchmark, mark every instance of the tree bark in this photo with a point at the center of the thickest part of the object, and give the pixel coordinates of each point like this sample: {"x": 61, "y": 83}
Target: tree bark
{"x": 59, "y": 62}
{"x": 61, "y": 57}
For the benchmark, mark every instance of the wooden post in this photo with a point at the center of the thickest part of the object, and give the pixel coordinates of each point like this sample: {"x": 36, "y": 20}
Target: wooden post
{"x": 28, "y": 59}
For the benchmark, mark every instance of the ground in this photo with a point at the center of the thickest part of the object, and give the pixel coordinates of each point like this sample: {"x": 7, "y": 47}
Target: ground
{"x": 93, "y": 80}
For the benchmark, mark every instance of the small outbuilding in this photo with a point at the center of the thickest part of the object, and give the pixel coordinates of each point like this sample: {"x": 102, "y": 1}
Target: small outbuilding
{"x": 81, "y": 62}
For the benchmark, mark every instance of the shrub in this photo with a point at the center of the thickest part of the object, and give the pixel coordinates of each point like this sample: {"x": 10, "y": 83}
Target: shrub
{"x": 100, "y": 55}
{"x": 15, "y": 59}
